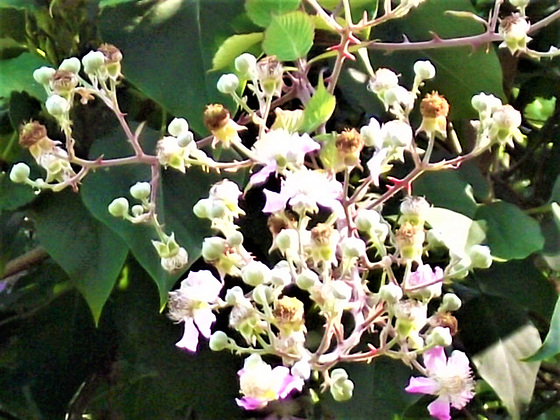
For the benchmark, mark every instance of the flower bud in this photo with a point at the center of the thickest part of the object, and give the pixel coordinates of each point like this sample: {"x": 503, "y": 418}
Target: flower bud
{"x": 44, "y": 75}
{"x": 227, "y": 83}
{"x": 119, "y": 207}
{"x": 262, "y": 294}
{"x": 71, "y": 64}
{"x": 185, "y": 138}
{"x": 390, "y": 293}
{"x": 396, "y": 133}
{"x": 450, "y": 302}
{"x": 140, "y": 190}
{"x": 219, "y": 341}
{"x": 480, "y": 256}
{"x": 366, "y": 220}
{"x": 414, "y": 210}
{"x": 281, "y": 275}
{"x": 255, "y": 273}
{"x": 19, "y": 173}
{"x": 307, "y": 279}
{"x": 349, "y": 144}
{"x": 213, "y": 248}
{"x": 235, "y": 239}
{"x": 353, "y": 247}
{"x": 424, "y": 70}
{"x": 178, "y": 126}
{"x": 234, "y": 295}
{"x": 371, "y": 133}
{"x": 57, "y": 106}
{"x": 341, "y": 387}
{"x": 519, "y": 3}
{"x": 93, "y": 61}
{"x": 286, "y": 239}
{"x": 383, "y": 79}
{"x": 246, "y": 65}
{"x": 202, "y": 208}
{"x": 137, "y": 210}
{"x": 486, "y": 104}
{"x": 440, "y": 336}
{"x": 218, "y": 210}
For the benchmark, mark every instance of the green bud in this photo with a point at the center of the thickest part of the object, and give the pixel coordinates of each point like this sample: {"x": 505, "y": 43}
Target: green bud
{"x": 70, "y": 64}
{"x": 286, "y": 239}
{"x": 19, "y": 173}
{"x": 255, "y": 273}
{"x": 246, "y": 65}
{"x": 450, "y": 303}
{"x": 234, "y": 295}
{"x": 213, "y": 248}
{"x": 367, "y": 219}
{"x": 235, "y": 239}
{"x": 218, "y": 210}
{"x": 178, "y": 126}
{"x": 137, "y": 210}
{"x": 307, "y": 279}
{"x": 140, "y": 190}
{"x": 202, "y": 208}
{"x": 119, "y": 207}
{"x": 440, "y": 336}
{"x": 262, "y": 294}
{"x": 390, "y": 293}
{"x": 353, "y": 247}
{"x": 185, "y": 138}
{"x": 480, "y": 256}
{"x": 57, "y": 106}
{"x": 93, "y": 61}
{"x": 228, "y": 83}
{"x": 219, "y": 341}
{"x": 43, "y": 75}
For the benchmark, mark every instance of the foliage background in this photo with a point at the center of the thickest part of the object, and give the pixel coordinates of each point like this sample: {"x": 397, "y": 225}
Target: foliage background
{"x": 80, "y": 321}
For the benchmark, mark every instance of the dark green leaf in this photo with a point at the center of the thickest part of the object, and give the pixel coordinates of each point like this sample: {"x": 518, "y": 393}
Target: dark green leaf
{"x": 511, "y": 234}
{"x": 87, "y": 250}
{"x": 551, "y": 345}
{"x": 289, "y": 36}
{"x": 17, "y": 75}
{"x": 20, "y": 4}
{"x": 168, "y": 49}
{"x": 261, "y": 12}
{"x": 233, "y": 47}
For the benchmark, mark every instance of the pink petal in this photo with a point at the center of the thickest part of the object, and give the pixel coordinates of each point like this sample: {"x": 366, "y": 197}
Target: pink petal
{"x": 274, "y": 201}
{"x": 190, "y": 337}
{"x": 249, "y": 403}
{"x": 422, "y": 385}
{"x": 204, "y": 318}
{"x": 289, "y": 382}
{"x": 459, "y": 362}
{"x": 261, "y": 176}
{"x": 440, "y": 409}
{"x": 435, "y": 360}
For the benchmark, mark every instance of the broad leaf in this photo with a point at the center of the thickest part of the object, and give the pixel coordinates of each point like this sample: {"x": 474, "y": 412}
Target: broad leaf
{"x": 551, "y": 345}
{"x": 233, "y": 47}
{"x": 319, "y": 108}
{"x": 289, "y": 36}
{"x": 501, "y": 365}
{"x": 168, "y": 49}
{"x": 87, "y": 250}
{"x": 261, "y": 12}
{"x": 511, "y": 233}
{"x": 17, "y": 75}
{"x": 550, "y": 228}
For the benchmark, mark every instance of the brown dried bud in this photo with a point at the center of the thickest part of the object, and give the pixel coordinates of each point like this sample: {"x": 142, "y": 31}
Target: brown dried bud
{"x": 31, "y": 133}
{"x": 112, "y": 54}
{"x": 64, "y": 81}
{"x": 289, "y": 310}
{"x": 434, "y": 105}
{"x": 445, "y": 319}
{"x": 349, "y": 144}
{"x": 410, "y": 240}
{"x": 216, "y": 116}
{"x": 321, "y": 234}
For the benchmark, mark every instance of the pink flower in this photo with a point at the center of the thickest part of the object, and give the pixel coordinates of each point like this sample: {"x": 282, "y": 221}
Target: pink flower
{"x": 424, "y": 283}
{"x": 449, "y": 379}
{"x": 261, "y": 384}
{"x": 192, "y": 304}
{"x": 303, "y": 190}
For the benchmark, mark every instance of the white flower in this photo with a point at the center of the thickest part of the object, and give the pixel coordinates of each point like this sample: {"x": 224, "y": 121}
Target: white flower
{"x": 192, "y": 304}
{"x": 303, "y": 190}
{"x": 372, "y": 134}
{"x": 383, "y": 79}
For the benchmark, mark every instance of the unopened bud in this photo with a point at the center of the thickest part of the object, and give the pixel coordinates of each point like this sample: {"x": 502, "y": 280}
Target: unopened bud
{"x": 213, "y": 248}
{"x": 424, "y": 70}
{"x": 119, "y": 207}
{"x": 57, "y": 106}
{"x": 246, "y": 65}
{"x": 137, "y": 210}
{"x": 390, "y": 293}
{"x": 93, "y": 61}
{"x": 44, "y": 75}
{"x": 19, "y": 173}
{"x": 140, "y": 190}
{"x": 234, "y": 295}
{"x": 480, "y": 256}
{"x": 255, "y": 273}
{"x": 286, "y": 239}
{"x": 353, "y": 247}
{"x": 262, "y": 294}
{"x": 71, "y": 64}
{"x": 440, "y": 336}
{"x": 218, "y": 341}
{"x": 307, "y": 279}
{"x": 227, "y": 83}
{"x": 178, "y": 126}
{"x": 202, "y": 208}
{"x": 450, "y": 302}
{"x": 235, "y": 239}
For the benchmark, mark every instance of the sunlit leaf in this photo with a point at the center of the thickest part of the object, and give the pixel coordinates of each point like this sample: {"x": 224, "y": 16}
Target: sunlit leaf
{"x": 234, "y": 46}
{"x": 551, "y": 345}
{"x": 261, "y": 12}
{"x": 289, "y": 36}
{"x": 501, "y": 365}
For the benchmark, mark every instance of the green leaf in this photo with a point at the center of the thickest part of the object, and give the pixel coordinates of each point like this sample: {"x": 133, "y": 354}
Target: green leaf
{"x": 511, "y": 233}
{"x": 289, "y": 36}
{"x": 177, "y": 195}
{"x": 550, "y": 228}
{"x": 551, "y": 345}
{"x": 319, "y": 108}
{"x": 233, "y": 47}
{"x": 502, "y": 367}
{"x": 20, "y": 4}
{"x": 88, "y": 251}
{"x": 261, "y": 12}
{"x": 168, "y": 49}
{"x": 17, "y": 75}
